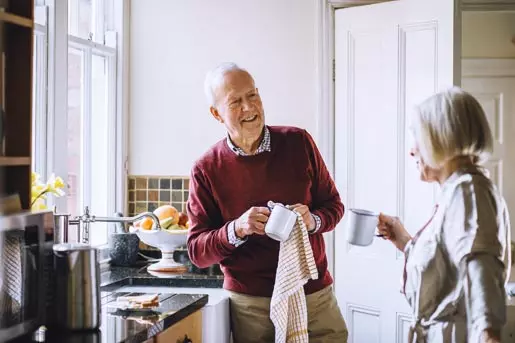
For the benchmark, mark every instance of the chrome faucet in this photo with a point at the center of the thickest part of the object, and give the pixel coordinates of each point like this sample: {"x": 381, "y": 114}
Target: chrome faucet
{"x": 83, "y": 223}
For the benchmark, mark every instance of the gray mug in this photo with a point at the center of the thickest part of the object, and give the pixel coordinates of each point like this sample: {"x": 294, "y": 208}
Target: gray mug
{"x": 123, "y": 248}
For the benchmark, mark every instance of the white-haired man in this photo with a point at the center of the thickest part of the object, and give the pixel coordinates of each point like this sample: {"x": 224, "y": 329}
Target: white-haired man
{"x": 229, "y": 189}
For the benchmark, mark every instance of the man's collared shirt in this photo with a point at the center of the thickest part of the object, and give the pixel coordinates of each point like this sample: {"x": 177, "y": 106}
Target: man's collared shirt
{"x": 264, "y": 146}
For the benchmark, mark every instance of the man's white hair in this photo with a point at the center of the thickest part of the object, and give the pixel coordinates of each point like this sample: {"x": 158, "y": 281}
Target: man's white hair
{"x": 451, "y": 124}
{"x": 215, "y": 77}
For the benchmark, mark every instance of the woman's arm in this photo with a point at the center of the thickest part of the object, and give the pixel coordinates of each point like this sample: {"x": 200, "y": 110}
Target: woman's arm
{"x": 485, "y": 296}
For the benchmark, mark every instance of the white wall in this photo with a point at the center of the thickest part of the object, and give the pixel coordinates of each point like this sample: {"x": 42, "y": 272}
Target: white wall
{"x": 175, "y": 42}
{"x": 488, "y": 35}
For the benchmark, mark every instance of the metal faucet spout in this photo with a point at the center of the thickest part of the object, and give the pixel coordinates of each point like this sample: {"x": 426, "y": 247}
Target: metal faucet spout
{"x": 83, "y": 222}
{"x": 128, "y": 219}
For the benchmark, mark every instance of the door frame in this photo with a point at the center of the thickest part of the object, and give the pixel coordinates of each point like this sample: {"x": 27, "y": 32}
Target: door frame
{"x": 325, "y": 76}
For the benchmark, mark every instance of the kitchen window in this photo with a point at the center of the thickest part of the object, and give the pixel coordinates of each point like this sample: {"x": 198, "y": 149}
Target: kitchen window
{"x": 78, "y": 142}
{"x": 39, "y": 87}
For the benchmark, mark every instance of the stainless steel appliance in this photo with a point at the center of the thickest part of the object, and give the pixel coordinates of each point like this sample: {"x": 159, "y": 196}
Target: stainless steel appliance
{"x": 77, "y": 281}
{"x": 26, "y": 240}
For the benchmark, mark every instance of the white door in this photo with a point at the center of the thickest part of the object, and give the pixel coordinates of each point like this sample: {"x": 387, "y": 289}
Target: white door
{"x": 389, "y": 57}
{"x": 492, "y": 82}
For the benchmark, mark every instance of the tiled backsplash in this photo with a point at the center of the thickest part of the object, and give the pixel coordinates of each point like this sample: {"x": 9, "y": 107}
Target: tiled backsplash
{"x": 146, "y": 193}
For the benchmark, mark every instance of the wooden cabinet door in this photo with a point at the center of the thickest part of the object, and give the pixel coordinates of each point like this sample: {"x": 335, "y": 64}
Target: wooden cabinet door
{"x": 188, "y": 328}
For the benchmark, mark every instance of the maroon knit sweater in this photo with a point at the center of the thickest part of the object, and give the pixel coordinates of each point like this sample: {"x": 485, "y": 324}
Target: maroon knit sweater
{"x": 224, "y": 185}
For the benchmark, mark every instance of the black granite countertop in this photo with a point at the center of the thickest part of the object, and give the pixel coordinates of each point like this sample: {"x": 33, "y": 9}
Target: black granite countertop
{"x": 130, "y": 326}
{"x": 123, "y": 326}
{"x": 116, "y": 277}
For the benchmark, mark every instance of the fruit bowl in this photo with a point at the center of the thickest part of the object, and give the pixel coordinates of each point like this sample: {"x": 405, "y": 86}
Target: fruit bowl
{"x": 167, "y": 241}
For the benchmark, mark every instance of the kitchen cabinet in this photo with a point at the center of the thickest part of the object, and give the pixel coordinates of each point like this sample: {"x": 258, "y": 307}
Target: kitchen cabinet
{"x": 188, "y": 330}
{"x": 16, "y": 34}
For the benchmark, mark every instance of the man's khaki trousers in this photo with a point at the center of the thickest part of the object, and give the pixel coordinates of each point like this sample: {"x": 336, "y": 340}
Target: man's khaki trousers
{"x": 250, "y": 318}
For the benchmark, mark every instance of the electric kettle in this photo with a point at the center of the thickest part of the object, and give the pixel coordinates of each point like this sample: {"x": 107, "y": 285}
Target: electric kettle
{"x": 77, "y": 291}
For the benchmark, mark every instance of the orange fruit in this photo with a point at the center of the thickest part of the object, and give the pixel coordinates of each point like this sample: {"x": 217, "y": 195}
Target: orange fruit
{"x": 147, "y": 223}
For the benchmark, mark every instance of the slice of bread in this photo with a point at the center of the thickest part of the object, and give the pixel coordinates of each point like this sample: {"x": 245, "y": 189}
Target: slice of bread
{"x": 140, "y": 301}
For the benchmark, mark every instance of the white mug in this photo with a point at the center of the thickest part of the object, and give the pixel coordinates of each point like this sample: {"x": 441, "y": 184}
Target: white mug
{"x": 280, "y": 223}
{"x": 361, "y": 227}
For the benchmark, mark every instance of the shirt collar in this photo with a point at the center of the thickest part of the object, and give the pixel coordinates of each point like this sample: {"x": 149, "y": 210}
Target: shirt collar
{"x": 467, "y": 171}
{"x": 265, "y": 145}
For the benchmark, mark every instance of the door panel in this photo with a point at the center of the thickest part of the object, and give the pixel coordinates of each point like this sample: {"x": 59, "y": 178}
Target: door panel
{"x": 389, "y": 57}
{"x": 365, "y": 322}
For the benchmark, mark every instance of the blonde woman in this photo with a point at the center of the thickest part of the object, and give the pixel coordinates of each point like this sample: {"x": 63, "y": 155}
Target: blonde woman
{"x": 456, "y": 265}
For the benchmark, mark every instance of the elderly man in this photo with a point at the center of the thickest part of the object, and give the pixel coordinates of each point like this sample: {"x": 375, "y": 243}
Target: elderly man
{"x": 229, "y": 188}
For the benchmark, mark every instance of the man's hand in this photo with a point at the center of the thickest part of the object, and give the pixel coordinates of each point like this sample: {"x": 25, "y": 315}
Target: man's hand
{"x": 252, "y": 222}
{"x": 306, "y": 215}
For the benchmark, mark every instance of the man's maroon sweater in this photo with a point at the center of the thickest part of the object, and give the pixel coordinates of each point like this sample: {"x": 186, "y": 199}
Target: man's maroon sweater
{"x": 224, "y": 185}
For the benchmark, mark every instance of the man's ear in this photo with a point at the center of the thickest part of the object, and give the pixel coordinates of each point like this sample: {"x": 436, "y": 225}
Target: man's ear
{"x": 215, "y": 114}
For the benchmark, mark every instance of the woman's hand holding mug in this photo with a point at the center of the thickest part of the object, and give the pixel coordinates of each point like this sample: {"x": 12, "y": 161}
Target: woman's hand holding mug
{"x": 391, "y": 228}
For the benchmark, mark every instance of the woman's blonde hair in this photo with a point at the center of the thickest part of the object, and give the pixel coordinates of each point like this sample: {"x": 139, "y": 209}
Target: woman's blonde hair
{"x": 451, "y": 124}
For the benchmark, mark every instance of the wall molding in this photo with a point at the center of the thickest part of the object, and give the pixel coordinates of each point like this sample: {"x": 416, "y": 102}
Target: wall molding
{"x": 122, "y": 24}
{"x": 488, "y": 67}
{"x": 371, "y": 313}
{"x": 486, "y": 5}
{"x": 351, "y": 3}
{"x": 324, "y": 100}
{"x": 466, "y": 5}
{"x": 401, "y": 320}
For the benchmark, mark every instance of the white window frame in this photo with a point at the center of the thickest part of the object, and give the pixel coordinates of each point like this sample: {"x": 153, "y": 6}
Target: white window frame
{"x": 51, "y": 137}
{"x": 88, "y": 49}
{"x": 39, "y": 102}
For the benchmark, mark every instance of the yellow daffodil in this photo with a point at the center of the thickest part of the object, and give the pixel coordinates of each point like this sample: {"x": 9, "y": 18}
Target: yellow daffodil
{"x": 55, "y": 184}
{"x": 39, "y": 205}
{"x": 59, "y": 183}
{"x": 34, "y": 178}
{"x": 39, "y": 190}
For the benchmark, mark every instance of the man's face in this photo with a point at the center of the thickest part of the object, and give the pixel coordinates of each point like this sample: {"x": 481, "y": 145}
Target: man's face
{"x": 238, "y": 106}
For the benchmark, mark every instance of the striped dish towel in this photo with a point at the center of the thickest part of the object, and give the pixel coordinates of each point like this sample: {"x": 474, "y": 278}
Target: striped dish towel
{"x": 288, "y": 310}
